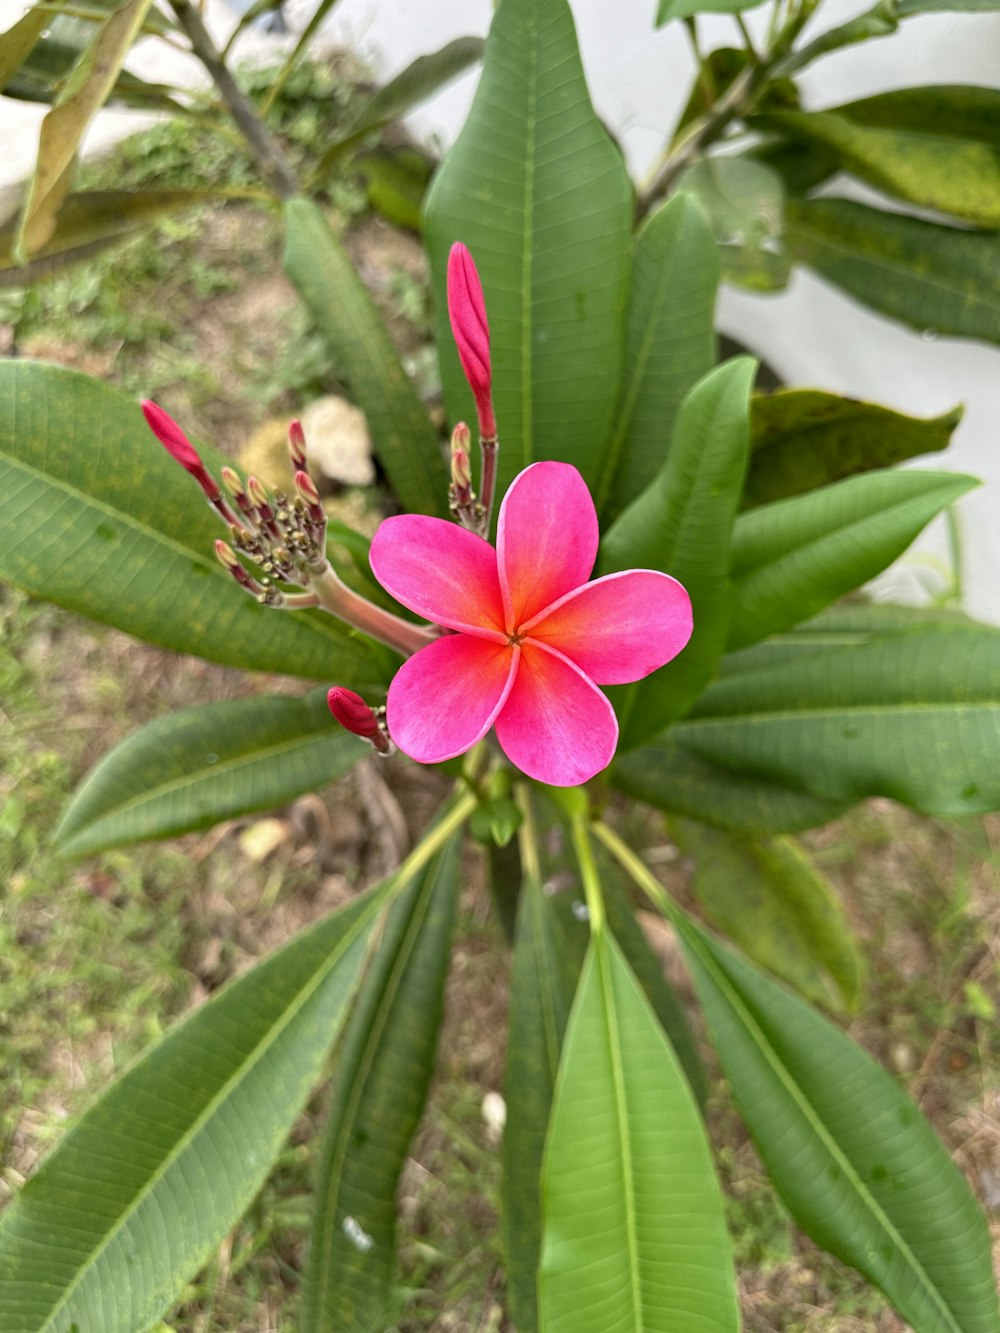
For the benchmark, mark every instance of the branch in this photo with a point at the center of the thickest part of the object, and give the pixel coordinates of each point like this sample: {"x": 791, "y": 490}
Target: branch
{"x": 268, "y": 155}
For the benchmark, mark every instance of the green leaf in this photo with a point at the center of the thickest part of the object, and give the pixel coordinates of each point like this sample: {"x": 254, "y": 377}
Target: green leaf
{"x": 634, "y": 1236}
{"x": 672, "y": 778}
{"x": 89, "y": 222}
{"x": 205, "y": 764}
{"x": 801, "y": 439}
{"x": 42, "y": 73}
{"x": 682, "y": 9}
{"x": 319, "y": 268}
{"x": 396, "y": 181}
{"x": 669, "y": 345}
{"x": 935, "y": 279}
{"x": 743, "y": 200}
{"x": 540, "y": 195}
{"x": 648, "y": 971}
{"x": 419, "y": 80}
{"x": 548, "y": 954}
{"x": 87, "y": 89}
{"x": 682, "y": 524}
{"x": 770, "y": 899}
{"x": 938, "y": 171}
{"x": 857, "y": 1165}
{"x": 791, "y": 558}
{"x": 19, "y": 39}
{"x": 801, "y": 168}
{"x": 317, "y": 18}
{"x": 138, "y": 1194}
{"x": 380, "y": 1078}
{"x": 879, "y": 21}
{"x": 914, "y": 715}
{"x": 962, "y": 111}
{"x": 98, "y": 518}
{"x": 907, "y": 8}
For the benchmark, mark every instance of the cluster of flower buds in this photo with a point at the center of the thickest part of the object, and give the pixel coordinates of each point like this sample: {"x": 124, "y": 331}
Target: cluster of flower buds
{"x": 471, "y": 330}
{"x": 284, "y": 537}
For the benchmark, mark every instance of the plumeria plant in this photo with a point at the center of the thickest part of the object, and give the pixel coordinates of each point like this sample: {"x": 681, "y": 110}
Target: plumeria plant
{"x": 637, "y": 598}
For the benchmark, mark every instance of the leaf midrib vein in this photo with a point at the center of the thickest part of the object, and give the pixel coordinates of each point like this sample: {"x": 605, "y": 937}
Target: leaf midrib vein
{"x": 816, "y": 1124}
{"x": 252, "y": 1060}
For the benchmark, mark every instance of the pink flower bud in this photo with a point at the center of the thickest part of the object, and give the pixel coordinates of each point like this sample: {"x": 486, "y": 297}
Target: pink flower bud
{"x": 461, "y": 471}
{"x": 352, "y": 712}
{"x": 180, "y": 448}
{"x": 467, "y": 312}
{"x": 297, "y": 445}
{"x": 173, "y": 439}
{"x": 306, "y": 487}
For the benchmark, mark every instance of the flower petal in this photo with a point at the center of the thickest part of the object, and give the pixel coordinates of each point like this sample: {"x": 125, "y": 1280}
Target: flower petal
{"x": 446, "y": 697}
{"x": 440, "y": 571}
{"x": 618, "y": 628}
{"x": 546, "y": 538}
{"x": 556, "y": 725}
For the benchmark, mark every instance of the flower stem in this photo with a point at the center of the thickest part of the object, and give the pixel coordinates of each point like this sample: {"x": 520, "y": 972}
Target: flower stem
{"x": 527, "y": 836}
{"x": 580, "y": 833}
{"x": 489, "y": 446}
{"x": 435, "y": 839}
{"x": 639, "y": 872}
{"x": 335, "y": 596}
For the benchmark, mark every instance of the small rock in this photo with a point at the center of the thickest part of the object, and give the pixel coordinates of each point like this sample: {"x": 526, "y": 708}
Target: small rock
{"x": 338, "y": 441}
{"x": 262, "y": 839}
{"x": 494, "y": 1111}
{"x": 265, "y": 454}
{"x": 903, "y": 1057}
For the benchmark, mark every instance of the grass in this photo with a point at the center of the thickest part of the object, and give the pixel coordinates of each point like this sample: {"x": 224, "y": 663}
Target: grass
{"x": 97, "y": 958}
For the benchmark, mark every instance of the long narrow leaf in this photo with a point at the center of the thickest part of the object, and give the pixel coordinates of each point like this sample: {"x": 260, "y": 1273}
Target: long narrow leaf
{"x": 801, "y": 439}
{"x": 151, "y": 1178}
{"x": 548, "y": 954}
{"x": 344, "y": 313}
{"x": 86, "y": 91}
{"x": 205, "y": 764}
{"x": 380, "y": 1077}
{"x": 16, "y": 43}
{"x": 858, "y": 1166}
{"x": 537, "y": 191}
{"x": 929, "y": 277}
{"x": 960, "y": 176}
{"x": 771, "y": 900}
{"x": 669, "y": 345}
{"x": 914, "y": 715}
{"x": 672, "y": 778}
{"x": 419, "y": 80}
{"x": 792, "y": 558}
{"x": 88, "y": 223}
{"x": 634, "y": 1235}
{"x": 682, "y": 524}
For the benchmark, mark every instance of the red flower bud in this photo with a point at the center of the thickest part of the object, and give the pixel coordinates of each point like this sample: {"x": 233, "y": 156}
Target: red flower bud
{"x": 180, "y": 448}
{"x": 467, "y": 312}
{"x": 173, "y": 439}
{"x": 352, "y": 712}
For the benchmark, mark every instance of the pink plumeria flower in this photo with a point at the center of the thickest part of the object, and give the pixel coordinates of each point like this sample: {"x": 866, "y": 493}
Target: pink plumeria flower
{"x": 533, "y": 639}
